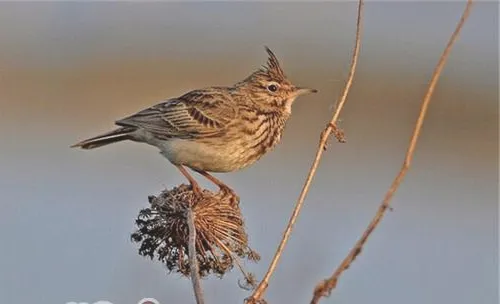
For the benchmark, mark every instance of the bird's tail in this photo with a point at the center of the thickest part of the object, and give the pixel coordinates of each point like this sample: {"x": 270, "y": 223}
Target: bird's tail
{"x": 105, "y": 139}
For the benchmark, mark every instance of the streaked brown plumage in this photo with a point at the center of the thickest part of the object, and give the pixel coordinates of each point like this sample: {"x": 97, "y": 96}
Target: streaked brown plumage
{"x": 216, "y": 129}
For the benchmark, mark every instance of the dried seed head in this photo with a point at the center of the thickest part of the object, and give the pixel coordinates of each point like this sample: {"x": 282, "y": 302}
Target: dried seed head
{"x": 162, "y": 230}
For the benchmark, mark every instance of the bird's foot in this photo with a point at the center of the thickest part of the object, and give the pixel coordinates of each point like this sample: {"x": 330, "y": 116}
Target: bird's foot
{"x": 235, "y": 199}
{"x": 196, "y": 190}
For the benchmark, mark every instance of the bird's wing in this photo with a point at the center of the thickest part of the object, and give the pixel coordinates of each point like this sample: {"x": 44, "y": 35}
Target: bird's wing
{"x": 200, "y": 113}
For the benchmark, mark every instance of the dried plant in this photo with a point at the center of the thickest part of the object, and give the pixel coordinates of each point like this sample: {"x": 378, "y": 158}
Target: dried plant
{"x": 325, "y": 287}
{"x": 163, "y": 232}
{"x": 257, "y": 296}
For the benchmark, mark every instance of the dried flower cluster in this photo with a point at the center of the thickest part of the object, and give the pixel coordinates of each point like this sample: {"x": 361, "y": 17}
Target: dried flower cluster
{"x": 162, "y": 231}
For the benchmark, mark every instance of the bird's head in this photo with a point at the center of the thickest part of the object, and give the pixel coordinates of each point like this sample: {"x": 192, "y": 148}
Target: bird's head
{"x": 269, "y": 86}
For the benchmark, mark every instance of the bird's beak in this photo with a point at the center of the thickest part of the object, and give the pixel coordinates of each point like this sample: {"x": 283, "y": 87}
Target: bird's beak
{"x": 302, "y": 91}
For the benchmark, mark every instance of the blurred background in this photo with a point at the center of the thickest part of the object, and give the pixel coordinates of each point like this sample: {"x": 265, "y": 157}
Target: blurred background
{"x": 69, "y": 70}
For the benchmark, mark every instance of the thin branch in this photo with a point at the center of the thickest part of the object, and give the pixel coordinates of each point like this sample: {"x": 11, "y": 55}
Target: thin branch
{"x": 193, "y": 260}
{"x": 326, "y": 287}
{"x": 332, "y": 126}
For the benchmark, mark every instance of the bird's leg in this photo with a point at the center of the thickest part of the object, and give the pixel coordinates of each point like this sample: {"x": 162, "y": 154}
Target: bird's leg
{"x": 223, "y": 187}
{"x": 194, "y": 185}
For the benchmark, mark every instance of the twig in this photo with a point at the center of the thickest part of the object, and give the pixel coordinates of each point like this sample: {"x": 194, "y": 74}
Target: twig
{"x": 325, "y": 288}
{"x": 193, "y": 260}
{"x": 261, "y": 288}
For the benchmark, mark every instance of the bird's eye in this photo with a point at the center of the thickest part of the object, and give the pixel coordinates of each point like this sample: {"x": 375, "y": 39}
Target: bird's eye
{"x": 272, "y": 87}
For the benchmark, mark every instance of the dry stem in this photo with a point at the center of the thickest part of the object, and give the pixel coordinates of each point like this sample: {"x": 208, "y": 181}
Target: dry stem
{"x": 332, "y": 126}
{"x": 325, "y": 287}
{"x": 193, "y": 261}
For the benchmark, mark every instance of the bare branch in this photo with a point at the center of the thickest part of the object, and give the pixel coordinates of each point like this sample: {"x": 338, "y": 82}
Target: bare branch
{"x": 326, "y": 287}
{"x": 193, "y": 261}
{"x": 331, "y": 126}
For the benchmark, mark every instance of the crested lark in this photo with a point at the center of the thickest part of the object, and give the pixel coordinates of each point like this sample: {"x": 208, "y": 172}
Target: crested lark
{"x": 216, "y": 129}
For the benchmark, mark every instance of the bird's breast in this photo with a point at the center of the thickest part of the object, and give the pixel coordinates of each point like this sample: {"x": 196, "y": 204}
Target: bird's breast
{"x": 240, "y": 146}
{"x": 213, "y": 157}
{"x": 260, "y": 133}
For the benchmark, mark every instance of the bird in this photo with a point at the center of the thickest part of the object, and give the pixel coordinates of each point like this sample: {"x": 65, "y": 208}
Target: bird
{"x": 215, "y": 129}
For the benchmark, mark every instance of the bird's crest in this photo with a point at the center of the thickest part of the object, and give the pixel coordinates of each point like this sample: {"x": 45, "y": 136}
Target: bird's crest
{"x": 273, "y": 66}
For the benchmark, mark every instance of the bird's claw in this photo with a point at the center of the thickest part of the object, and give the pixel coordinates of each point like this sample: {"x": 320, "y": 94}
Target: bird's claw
{"x": 196, "y": 190}
{"x": 228, "y": 191}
